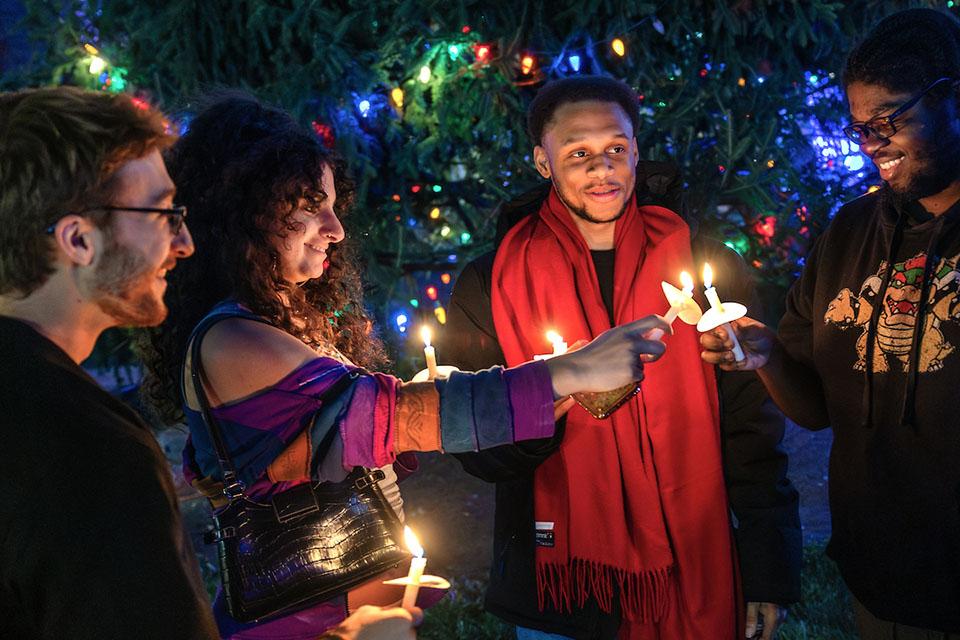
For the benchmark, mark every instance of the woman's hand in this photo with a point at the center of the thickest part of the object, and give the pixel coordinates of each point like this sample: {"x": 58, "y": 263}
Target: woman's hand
{"x": 613, "y": 359}
{"x": 374, "y": 623}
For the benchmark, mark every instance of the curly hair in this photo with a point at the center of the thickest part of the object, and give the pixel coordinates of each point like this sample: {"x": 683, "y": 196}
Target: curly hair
{"x": 241, "y": 168}
{"x": 60, "y": 149}
{"x": 554, "y": 95}
{"x": 906, "y": 51}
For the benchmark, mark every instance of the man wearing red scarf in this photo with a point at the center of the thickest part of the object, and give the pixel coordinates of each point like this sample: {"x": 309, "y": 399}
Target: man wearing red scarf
{"x": 618, "y": 527}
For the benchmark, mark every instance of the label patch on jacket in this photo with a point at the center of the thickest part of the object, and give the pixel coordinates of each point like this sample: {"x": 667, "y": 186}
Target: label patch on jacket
{"x": 544, "y": 533}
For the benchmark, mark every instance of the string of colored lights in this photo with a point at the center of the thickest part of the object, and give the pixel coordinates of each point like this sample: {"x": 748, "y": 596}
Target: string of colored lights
{"x": 836, "y": 156}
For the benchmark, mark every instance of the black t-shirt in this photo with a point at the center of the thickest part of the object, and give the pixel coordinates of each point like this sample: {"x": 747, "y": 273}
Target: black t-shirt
{"x": 91, "y": 541}
{"x": 603, "y": 263}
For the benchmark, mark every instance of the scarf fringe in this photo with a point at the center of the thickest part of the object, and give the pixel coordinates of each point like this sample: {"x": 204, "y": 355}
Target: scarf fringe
{"x": 644, "y": 596}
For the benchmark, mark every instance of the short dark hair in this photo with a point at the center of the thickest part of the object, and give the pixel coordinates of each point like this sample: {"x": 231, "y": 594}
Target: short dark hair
{"x": 59, "y": 149}
{"x": 906, "y": 51}
{"x": 555, "y": 94}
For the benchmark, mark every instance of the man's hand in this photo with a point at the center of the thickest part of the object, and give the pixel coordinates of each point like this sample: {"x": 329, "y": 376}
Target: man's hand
{"x": 561, "y": 406}
{"x": 374, "y": 623}
{"x": 764, "y": 620}
{"x": 756, "y": 340}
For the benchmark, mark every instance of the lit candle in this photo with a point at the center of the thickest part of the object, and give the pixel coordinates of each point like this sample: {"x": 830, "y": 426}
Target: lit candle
{"x": 711, "y": 292}
{"x": 678, "y": 302}
{"x": 720, "y": 314}
{"x": 429, "y": 352}
{"x": 417, "y": 565}
{"x": 681, "y": 302}
{"x": 559, "y": 346}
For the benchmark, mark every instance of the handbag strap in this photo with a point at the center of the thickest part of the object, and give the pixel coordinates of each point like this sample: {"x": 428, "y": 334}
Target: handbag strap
{"x": 233, "y": 487}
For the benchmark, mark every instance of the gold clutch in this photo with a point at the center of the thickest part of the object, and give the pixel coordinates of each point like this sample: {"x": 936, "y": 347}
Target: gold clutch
{"x": 601, "y": 404}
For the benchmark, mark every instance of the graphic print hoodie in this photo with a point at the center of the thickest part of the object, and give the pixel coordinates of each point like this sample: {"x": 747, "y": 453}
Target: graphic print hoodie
{"x": 876, "y": 314}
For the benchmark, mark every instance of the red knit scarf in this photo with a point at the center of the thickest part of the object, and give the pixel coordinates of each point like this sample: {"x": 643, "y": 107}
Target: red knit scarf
{"x": 637, "y": 501}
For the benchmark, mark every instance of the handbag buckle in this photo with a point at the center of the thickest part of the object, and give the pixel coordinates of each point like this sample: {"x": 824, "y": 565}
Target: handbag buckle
{"x": 371, "y": 477}
{"x": 219, "y": 535}
{"x": 233, "y": 490}
{"x": 294, "y": 502}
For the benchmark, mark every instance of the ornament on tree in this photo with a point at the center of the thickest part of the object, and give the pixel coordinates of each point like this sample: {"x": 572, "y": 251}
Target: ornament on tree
{"x": 325, "y": 133}
{"x": 483, "y": 52}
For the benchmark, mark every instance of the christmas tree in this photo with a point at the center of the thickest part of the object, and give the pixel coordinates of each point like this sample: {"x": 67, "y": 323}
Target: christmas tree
{"x": 426, "y": 102}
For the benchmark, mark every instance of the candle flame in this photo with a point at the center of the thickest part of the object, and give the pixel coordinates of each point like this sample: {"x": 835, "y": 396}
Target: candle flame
{"x": 410, "y": 538}
{"x": 707, "y": 275}
{"x": 687, "y": 281}
{"x": 427, "y": 335}
{"x": 553, "y": 337}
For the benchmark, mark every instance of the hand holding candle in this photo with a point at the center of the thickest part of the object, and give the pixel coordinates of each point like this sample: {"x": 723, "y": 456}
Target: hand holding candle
{"x": 417, "y": 565}
{"x": 720, "y": 313}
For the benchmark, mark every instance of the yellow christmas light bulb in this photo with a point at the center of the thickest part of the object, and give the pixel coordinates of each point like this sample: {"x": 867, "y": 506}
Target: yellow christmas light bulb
{"x": 89, "y": 48}
{"x": 435, "y": 213}
{"x": 618, "y": 47}
{"x": 97, "y": 65}
{"x": 526, "y": 64}
{"x": 397, "y": 96}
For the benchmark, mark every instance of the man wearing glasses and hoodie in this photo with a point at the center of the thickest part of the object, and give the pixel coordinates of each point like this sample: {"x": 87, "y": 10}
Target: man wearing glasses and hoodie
{"x": 868, "y": 344}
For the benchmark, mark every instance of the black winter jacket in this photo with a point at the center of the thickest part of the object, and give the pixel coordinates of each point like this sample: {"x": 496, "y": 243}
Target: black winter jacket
{"x": 763, "y": 501}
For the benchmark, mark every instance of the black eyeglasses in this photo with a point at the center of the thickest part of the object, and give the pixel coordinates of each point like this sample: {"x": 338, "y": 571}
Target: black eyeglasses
{"x": 885, "y": 126}
{"x": 175, "y": 215}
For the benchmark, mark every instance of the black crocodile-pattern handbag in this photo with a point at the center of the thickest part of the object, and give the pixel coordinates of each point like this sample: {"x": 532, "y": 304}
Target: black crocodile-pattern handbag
{"x": 304, "y": 545}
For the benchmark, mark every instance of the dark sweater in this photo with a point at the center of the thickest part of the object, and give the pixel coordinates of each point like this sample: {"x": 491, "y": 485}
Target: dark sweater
{"x": 895, "y": 463}
{"x": 91, "y": 542}
{"x": 763, "y": 500}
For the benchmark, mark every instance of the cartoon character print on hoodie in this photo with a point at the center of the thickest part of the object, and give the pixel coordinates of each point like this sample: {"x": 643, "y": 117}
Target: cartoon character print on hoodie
{"x": 901, "y": 307}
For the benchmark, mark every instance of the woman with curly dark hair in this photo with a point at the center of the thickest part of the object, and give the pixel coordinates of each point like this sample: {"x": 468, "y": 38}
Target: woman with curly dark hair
{"x": 263, "y": 198}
